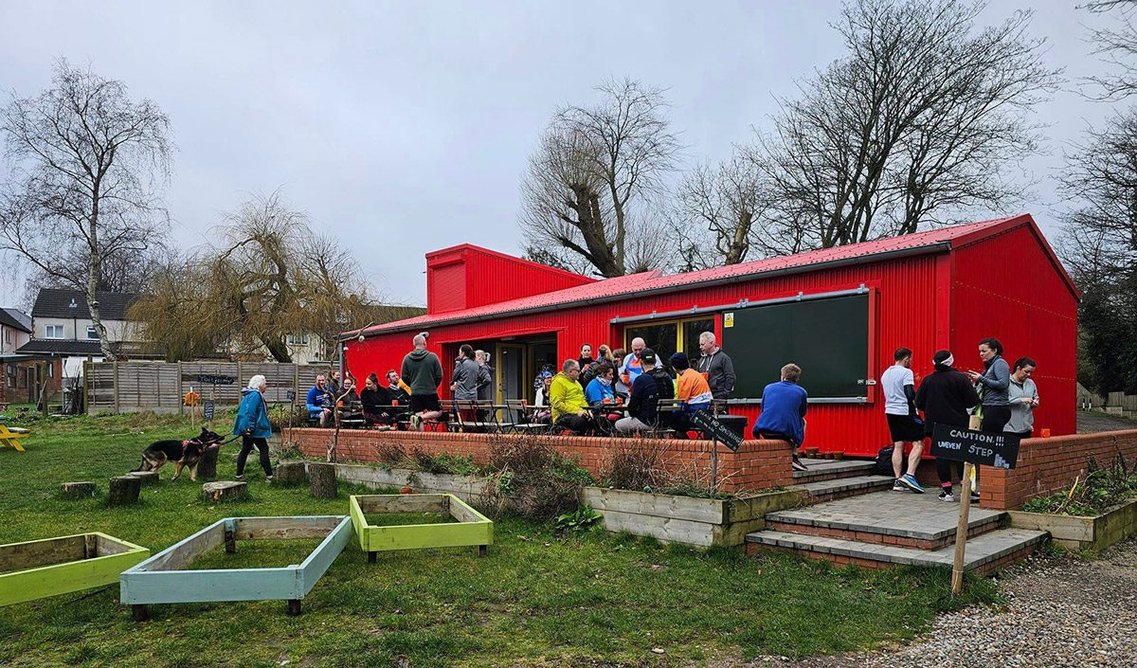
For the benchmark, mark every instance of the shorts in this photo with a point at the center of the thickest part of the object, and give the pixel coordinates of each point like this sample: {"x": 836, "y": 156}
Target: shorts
{"x": 904, "y": 428}
{"x": 425, "y": 402}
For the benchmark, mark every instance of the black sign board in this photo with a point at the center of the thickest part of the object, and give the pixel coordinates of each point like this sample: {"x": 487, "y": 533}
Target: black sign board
{"x": 207, "y": 410}
{"x": 978, "y": 447}
{"x": 290, "y": 395}
{"x": 717, "y": 430}
{"x": 212, "y": 379}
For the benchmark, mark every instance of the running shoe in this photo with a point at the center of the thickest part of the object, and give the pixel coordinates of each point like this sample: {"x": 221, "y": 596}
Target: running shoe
{"x": 947, "y": 496}
{"x": 909, "y": 481}
{"x": 798, "y": 465}
{"x": 898, "y": 486}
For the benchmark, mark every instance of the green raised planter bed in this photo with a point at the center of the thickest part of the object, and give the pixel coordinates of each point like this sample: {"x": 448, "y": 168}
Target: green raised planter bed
{"x": 52, "y": 566}
{"x": 1083, "y": 533}
{"x": 161, "y": 578}
{"x": 470, "y": 527}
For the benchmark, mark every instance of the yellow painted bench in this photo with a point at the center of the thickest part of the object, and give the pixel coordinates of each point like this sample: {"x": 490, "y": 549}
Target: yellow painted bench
{"x": 10, "y": 436}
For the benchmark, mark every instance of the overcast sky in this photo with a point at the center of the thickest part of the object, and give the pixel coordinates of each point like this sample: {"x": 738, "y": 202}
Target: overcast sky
{"x": 405, "y": 127}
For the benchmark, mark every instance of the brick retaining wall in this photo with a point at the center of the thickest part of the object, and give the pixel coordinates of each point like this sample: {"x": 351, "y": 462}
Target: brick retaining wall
{"x": 1046, "y": 465}
{"x": 758, "y": 464}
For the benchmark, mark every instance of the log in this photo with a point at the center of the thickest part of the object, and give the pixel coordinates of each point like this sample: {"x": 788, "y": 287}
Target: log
{"x": 322, "y": 480}
{"x": 290, "y": 473}
{"x": 147, "y": 477}
{"x": 124, "y": 490}
{"x": 225, "y": 490}
{"x": 207, "y": 465}
{"x": 76, "y": 490}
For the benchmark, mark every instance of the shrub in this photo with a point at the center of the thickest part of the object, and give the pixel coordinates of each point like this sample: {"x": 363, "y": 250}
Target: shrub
{"x": 642, "y": 465}
{"x": 532, "y": 479}
{"x": 391, "y": 453}
{"x": 1099, "y": 490}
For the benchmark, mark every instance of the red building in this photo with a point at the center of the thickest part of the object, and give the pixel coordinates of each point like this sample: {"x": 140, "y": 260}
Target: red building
{"x": 839, "y": 313}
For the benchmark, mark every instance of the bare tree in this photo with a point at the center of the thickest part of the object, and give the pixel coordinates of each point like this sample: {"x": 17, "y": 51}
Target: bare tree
{"x": 269, "y": 276}
{"x": 86, "y": 160}
{"x": 1117, "y": 45}
{"x": 923, "y": 117}
{"x": 1099, "y": 244}
{"x": 588, "y": 187}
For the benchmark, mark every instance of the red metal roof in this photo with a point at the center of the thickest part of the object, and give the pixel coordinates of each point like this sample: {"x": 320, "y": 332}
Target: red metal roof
{"x": 937, "y": 240}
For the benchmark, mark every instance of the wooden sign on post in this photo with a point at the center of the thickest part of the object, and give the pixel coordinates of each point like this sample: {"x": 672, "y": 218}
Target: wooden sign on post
{"x": 971, "y": 447}
{"x": 207, "y": 410}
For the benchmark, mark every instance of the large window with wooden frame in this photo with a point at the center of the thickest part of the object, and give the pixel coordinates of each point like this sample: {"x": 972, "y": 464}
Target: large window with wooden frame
{"x": 668, "y": 337}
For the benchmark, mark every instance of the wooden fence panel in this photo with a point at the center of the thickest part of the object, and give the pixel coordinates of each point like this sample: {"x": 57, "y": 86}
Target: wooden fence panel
{"x": 137, "y": 386}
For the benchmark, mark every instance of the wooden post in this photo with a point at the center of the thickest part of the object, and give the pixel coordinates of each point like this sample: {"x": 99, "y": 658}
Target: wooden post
{"x": 207, "y": 465}
{"x": 322, "y": 480}
{"x": 117, "y": 408}
{"x": 181, "y": 395}
{"x": 124, "y": 490}
{"x": 293, "y": 607}
{"x": 139, "y": 612}
{"x": 961, "y": 531}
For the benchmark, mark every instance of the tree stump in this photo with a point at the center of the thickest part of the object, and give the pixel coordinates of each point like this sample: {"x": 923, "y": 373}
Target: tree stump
{"x": 76, "y": 490}
{"x": 147, "y": 477}
{"x": 290, "y": 473}
{"x": 225, "y": 490}
{"x": 322, "y": 480}
{"x": 124, "y": 490}
{"x": 207, "y": 465}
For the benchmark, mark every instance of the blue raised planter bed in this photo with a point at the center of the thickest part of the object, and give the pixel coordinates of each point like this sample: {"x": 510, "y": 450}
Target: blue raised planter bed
{"x": 161, "y": 578}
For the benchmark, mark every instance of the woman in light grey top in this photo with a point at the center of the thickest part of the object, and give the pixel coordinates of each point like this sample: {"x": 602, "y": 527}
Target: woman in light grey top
{"x": 1023, "y": 398}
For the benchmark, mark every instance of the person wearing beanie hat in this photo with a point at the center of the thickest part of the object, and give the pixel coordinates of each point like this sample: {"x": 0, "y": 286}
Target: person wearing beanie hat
{"x": 643, "y": 403}
{"x": 945, "y": 397}
{"x": 692, "y": 392}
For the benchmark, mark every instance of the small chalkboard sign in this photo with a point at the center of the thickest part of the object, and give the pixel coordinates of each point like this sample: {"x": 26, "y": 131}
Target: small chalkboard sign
{"x": 215, "y": 379}
{"x": 290, "y": 395}
{"x": 978, "y": 447}
{"x": 207, "y": 410}
{"x": 717, "y": 430}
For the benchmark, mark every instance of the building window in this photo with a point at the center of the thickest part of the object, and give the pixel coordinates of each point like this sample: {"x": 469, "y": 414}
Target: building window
{"x": 51, "y": 369}
{"x": 669, "y": 337}
{"x": 7, "y": 336}
{"x": 297, "y": 339}
{"x": 53, "y": 332}
{"x": 91, "y": 333}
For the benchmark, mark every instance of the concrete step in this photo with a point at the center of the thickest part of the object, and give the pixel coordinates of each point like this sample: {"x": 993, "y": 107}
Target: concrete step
{"x": 984, "y": 554}
{"x": 906, "y": 519}
{"x": 839, "y": 488}
{"x": 829, "y": 469}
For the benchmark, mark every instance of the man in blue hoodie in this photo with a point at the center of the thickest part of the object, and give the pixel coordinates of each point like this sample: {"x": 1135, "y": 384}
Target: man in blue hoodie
{"x": 320, "y": 399}
{"x": 783, "y": 412}
{"x": 253, "y": 426}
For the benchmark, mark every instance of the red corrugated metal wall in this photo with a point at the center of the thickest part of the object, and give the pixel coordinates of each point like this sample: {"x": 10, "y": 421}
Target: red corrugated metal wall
{"x": 446, "y": 287}
{"x": 495, "y": 278}
{"x": 1006, "y": 287}
{"x": 917, "y": 305}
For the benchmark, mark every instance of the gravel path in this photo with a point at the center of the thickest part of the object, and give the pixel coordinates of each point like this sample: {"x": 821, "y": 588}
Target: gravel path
{"x": 1094, "y": 422}
{"x": 1060, "y": 611}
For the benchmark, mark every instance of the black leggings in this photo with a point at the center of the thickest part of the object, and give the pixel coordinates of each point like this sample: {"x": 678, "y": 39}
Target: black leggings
{"x": 995, "y": 418}
{"x": 247, "y": 443}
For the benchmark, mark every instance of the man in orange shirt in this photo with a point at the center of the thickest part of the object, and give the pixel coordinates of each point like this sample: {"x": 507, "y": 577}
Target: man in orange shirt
{"x": 692, "y": 392}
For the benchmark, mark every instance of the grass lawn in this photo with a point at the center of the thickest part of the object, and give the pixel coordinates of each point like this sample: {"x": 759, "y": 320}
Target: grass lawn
{"x": 537, "y": 599}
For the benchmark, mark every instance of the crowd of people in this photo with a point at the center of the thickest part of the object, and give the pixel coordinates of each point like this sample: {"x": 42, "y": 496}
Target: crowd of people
{"x": 636, "y": 392}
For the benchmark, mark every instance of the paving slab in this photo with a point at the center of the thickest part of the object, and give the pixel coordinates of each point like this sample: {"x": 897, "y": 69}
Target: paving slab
{"x": 980, "y": 550}
{"x": 920, "y": 516}
{"x": 830, "y": 467}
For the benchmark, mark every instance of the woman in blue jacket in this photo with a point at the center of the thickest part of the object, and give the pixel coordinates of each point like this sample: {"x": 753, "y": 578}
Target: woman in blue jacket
{"x": 253, "y": 426}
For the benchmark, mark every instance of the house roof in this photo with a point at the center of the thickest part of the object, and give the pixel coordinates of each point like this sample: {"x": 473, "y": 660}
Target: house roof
{"x": 10, "y": 317}
{"x": 56, "y": 303}
{"x": 933, "y": 241}
{"x": 60, "y": 347}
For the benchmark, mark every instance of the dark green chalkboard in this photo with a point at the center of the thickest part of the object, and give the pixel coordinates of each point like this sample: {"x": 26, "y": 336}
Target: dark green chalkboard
{"x": 828, "y": 338}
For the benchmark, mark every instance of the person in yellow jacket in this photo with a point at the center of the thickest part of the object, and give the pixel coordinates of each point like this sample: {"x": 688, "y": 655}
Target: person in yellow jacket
{"x": 566, "y": 397}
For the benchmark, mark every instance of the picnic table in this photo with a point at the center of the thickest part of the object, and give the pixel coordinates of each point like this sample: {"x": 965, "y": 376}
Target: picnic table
{"x": 10, "y": 437}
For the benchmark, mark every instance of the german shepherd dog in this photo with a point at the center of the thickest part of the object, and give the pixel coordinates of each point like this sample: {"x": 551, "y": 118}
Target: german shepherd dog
{"x": 182, "y": 453}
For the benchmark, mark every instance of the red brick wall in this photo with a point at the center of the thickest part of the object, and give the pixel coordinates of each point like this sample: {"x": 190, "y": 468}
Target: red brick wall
{"x": 1046, "y": 465}
{"x": 756, "y": 465}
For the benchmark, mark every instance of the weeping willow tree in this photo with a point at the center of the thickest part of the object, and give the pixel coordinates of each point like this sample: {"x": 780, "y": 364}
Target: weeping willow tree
{"x": 268, "y": 275}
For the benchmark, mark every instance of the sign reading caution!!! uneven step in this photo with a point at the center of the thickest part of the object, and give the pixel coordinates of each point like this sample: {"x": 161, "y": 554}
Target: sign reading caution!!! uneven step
{"x": 978, "y": 447}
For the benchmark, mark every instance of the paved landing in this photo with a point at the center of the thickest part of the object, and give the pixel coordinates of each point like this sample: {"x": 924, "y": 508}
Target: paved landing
{"x": 830, "y": 467}
{"x": 921, "y": 516}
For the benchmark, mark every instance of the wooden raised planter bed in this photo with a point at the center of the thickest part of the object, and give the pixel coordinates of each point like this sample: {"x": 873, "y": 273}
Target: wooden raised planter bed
{"x": 160, "y": 579}
{"x": 1093, "y": 534}
{"x": 471, "y": 528}
{"x": 465, "y": 487}
{"x": 52, "y": 566}
{"x": 685, "y": 519}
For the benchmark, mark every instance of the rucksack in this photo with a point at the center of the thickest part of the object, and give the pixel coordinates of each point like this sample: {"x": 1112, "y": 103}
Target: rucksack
{"x": 883, "y": 464}
{"x": 664, "y": 385}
